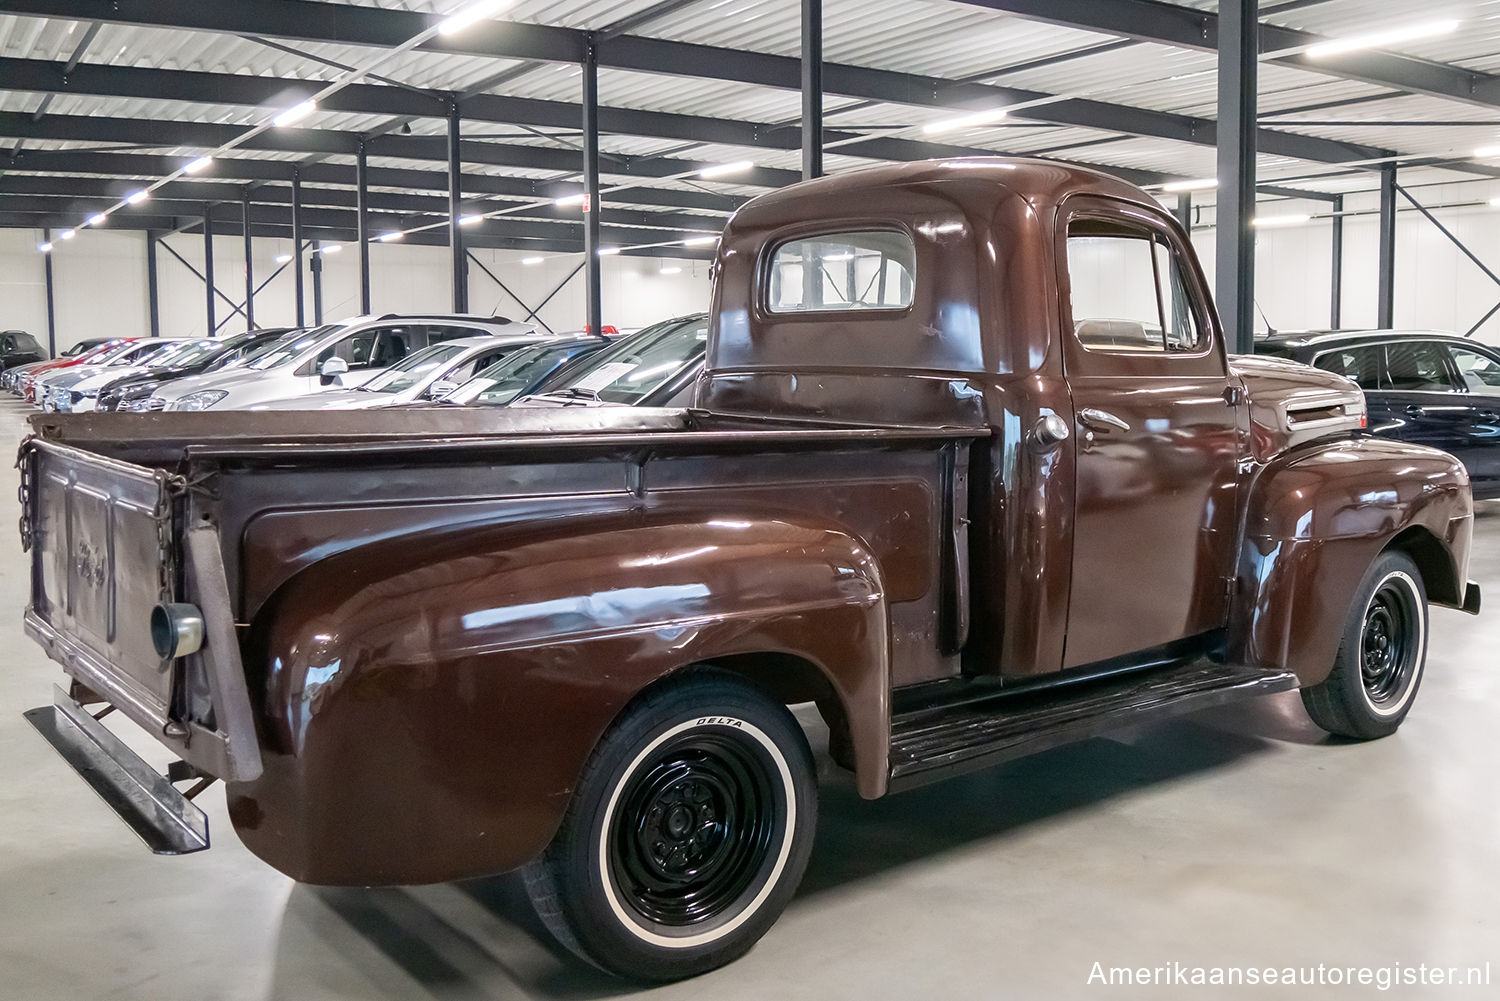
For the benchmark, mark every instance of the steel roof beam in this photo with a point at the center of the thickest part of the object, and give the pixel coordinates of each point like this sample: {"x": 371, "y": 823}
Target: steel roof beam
{"x": 309, "y": 21}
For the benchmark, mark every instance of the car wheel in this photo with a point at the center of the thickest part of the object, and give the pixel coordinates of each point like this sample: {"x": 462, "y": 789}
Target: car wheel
{"x": 1381, "y": 657}
{"x": 687, "y": 834}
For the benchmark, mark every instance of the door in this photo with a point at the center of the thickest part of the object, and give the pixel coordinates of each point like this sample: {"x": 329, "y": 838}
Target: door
{"x": 1478, "y": 369}
{"x": 1156, "y": 440}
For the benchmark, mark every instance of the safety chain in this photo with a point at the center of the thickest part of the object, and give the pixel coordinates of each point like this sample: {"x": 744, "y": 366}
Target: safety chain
{"x": 23, "y": 494}
{"x": 168, "y": 487}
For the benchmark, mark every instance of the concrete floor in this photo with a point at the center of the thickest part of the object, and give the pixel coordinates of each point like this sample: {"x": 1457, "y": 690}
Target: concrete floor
{"x": 1235, "y": 837}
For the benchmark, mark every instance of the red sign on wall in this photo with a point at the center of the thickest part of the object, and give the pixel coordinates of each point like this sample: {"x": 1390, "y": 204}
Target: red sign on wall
{"x": 588, "y": 203}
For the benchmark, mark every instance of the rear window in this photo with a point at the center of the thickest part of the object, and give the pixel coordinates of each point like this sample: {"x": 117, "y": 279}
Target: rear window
{"x": 870, "y": 269}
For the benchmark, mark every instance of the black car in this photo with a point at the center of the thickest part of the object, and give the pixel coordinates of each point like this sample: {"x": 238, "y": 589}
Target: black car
{"x": 654, "y": 367}
{"x": 132, "y": 391}
{"x": 530, "y": 370}
{"x": 17, "y": 347}
{"x": 1429, "y": 388}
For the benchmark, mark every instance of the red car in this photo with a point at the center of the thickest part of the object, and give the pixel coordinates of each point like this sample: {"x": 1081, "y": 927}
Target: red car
{"x": 28, "y": 381}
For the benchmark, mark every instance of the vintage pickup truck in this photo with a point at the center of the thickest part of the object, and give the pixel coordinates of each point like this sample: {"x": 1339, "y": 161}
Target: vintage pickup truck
{"x": 969, "y": 469}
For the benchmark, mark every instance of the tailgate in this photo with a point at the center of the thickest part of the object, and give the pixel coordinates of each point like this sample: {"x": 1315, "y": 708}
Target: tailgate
{"x": 106, "y": 547}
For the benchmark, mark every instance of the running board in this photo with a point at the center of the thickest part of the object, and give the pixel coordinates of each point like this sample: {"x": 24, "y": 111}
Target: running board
{"x": 937, "y": 741}
{"x": 155, "y": 809}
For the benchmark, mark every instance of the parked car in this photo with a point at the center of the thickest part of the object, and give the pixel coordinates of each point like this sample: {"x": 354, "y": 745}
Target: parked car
{"x": 530, "y": 370}
{"x": 933, "y": 496}
{"x": 51, "y": 391}
{"x": 11, "y": 375}
{"x": 428, "y": 374}
{"x": 1422, "y": 386}
{"x": 79, "y": 392}
{"x": 17, "y": 347}
{"x": 100, "y": 355}
{"x": 654, "y": 367}
{"x": 332, "y": 357}
{"x": 133, "y": 391}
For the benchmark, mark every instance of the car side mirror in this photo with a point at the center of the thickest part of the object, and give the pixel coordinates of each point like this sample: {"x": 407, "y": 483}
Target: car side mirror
{"x": 332, "y": 369}
{"x": 438, "y": 390}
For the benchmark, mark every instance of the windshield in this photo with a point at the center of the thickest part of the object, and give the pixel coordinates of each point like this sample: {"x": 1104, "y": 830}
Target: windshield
{"x": 184, "y": 354}
{"x": 114, "y": 353}
{"x": 508, "y": 378}
{"x": 99, "y": 352}
{"x": 290, "y": 348}
{"x": 639, "y": 365}
{"x": 242, "y": 356}
{"x": 414, "y": 369}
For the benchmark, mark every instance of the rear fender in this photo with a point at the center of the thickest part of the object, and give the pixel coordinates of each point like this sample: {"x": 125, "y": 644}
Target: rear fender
{"x": 1317, "y": 518}
{"x": 431, "y": 700}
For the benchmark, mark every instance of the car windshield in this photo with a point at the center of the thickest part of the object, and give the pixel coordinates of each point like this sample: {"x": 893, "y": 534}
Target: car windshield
{"x": 291, "y": 348}
{"x": 97, "y": 353}
{"x": 639, "y": 365}
{"x": 184, "y": 354}
{"x": 508, "y": 378}
{"x": 243, "y": 356}
{"x": 414, "y": 368}
{"x": 114, "y": 353}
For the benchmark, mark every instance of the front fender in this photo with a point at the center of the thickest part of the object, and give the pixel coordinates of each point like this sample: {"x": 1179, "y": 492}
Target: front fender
{"x": 1316, "y": 519}
{"x": 431, "y": 700}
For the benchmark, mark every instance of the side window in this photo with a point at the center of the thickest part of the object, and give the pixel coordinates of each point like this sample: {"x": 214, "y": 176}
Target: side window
{"x": 1363, "y": 365}
{"x": 1480, "y": 372}
{"x": 864, "y": 270}
{"x": 438, "y": 334}
{"x": 355, "y": 349}
{"x": 1128, "y": 293}
{"x": 7, "y": 345}
{"x": 1418, "y": 366}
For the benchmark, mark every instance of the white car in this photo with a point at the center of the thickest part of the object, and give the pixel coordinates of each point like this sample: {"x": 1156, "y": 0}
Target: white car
{"x": 330, "y": 358}
{"x": 52, "y": 390}
{"x": 83, "y": 395}
{"x": 428, "y": 374}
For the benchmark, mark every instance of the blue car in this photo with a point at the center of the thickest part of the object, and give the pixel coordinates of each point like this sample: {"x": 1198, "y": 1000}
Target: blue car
{"x": 1421, "y": 386}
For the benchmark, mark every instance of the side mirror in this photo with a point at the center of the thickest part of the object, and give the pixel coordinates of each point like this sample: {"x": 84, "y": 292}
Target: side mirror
{"x": 332, "y": 369}
{"x": 440, "y": 389}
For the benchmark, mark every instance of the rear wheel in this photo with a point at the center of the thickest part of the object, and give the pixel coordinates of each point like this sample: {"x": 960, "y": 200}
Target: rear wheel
{"x": 687, "y": 835}
{"x": 1382, "y": 656}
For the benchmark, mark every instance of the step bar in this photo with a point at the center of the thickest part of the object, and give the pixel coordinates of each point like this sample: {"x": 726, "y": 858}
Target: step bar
{"x": 164, "y": 818}
{"x": 956, "y": 735}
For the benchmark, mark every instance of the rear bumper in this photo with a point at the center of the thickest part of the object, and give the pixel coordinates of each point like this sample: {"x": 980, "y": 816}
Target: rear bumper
{"x": 165, "y": 819}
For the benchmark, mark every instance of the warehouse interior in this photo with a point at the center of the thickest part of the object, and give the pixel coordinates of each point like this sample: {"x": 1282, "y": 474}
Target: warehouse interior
{"x": 171, "y": 169}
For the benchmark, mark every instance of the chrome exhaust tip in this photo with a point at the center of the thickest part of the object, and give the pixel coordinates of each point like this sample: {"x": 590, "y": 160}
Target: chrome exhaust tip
{"x": 176, "y": 629}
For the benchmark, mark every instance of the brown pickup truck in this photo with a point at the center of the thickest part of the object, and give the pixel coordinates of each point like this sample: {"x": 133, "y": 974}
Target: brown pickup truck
{"x": 969, "y": 469}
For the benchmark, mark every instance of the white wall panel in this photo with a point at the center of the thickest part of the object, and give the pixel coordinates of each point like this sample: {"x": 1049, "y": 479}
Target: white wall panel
{"x": 23, "y": 296}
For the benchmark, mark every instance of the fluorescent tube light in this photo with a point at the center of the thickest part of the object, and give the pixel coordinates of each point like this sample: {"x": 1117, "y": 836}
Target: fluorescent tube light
{"x": 1201, "y": 184}
{"x": 1495, "y": 202}
{"x": 45, "y": 248}
{"x": 1381, "y": 39}
{"x": 199, "y": 164}
{"x": 969, "y": 121}
{"x": 295, "y": 114}
{"x": 470, "y": 15}
{"x": 332, "y": 248}
{"x": 283, "y": 258}
{"x": 470, "y": 220}
{"x": 529, "y": 261}
{"x": 1487, "y": 152}
{"x": 699, "y": 241}
{"x": 390, "y": 237}
{"x": 724, "y": 169}
{"x": 1278, "y": 220}
{"x": 567, "y": 200}
{"x": 98, "y": 219}
{"x": 68, "y": 234}
{"x": 671, "y": 271}
{"x": 136, "y": 197}
{"x": 607, "y": 251}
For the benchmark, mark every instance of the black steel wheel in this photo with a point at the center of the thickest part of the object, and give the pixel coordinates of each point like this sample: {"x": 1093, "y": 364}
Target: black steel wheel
{"x": 1381, "y": 658}
{"x": 687, "y": 835}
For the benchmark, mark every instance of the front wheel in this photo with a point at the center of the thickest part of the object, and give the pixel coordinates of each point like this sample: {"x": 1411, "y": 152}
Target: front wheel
{"x": 1381, "y": 657}
{"x": 687, "y": 835}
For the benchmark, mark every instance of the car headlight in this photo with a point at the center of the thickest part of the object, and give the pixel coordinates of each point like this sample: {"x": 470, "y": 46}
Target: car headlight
{"x": 198, "y": 401}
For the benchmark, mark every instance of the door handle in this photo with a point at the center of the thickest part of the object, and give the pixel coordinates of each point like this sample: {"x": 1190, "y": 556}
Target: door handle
{"x": 1100, "y": 420}
{"x": 1413, "y": 410}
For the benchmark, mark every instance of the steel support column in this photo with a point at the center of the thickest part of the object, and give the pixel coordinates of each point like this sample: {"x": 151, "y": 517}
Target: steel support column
{"x": 1235, "y": 206}
{"x": 812, "y": 89}
{"x": 153, "y": 293}
{"x": 1385, "y": 290}
{"x": 1336, "y": 300}
{"x": 208, "y": 267}
{"x": 249, "y": 266}
{"x": 362, "y": 224}
{"x": 593, "y": 286}
{"x": 300, "y": 293}
{"x": 455, "y": 211}
{"x": 51, "y": 305}
{"x": 1184, "y": 210}
{"x": 316, "y": 266}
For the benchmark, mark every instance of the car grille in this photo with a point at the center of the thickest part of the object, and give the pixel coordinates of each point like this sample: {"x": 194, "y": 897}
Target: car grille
{"x": 151, "y": 405}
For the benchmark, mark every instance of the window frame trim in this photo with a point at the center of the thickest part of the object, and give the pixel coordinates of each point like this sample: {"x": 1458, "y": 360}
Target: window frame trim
{"x": 762, "y": 297}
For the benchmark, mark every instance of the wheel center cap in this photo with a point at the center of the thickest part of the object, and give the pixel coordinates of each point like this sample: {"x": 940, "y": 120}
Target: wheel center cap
{"x": 679, "y": 821}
